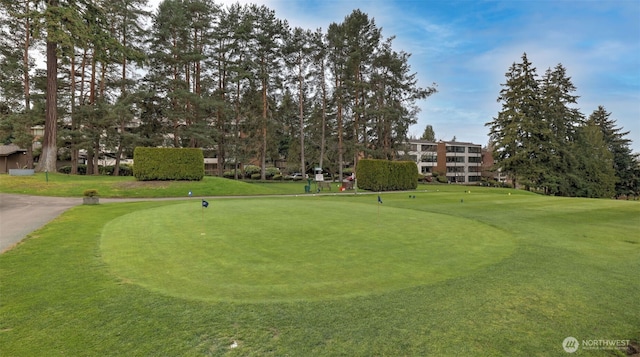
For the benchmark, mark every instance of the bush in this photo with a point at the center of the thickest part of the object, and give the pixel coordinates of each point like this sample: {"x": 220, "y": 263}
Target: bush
{"x": 270, "y": 172}
{"x": 90, "y": 193}
{"x": 256, "y": 176}
{"x": 168, "y": 164}
{"x": 385, "y": 175}
{"x": 82, "y": 170}
{"x": 125, "y": 170}
{"x": 249, "y": 170}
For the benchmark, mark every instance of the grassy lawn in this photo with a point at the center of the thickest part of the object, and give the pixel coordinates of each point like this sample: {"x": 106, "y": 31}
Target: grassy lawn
{"x": 62, "y": 185}
{"x": 491, "y": 272}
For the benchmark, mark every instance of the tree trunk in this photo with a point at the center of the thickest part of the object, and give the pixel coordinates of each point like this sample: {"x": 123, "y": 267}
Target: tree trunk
{"x": 96, "y": 167}
{"x": 263, "y": 156}
{"x": 323, "y": 140}
{"x": 27, "y": 90}
{"x": 301, "y": 107}
{"x": 48, "y": 157}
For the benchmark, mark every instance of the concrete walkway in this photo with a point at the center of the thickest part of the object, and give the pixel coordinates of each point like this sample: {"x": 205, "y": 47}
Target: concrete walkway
{"x": 21, "y": 215}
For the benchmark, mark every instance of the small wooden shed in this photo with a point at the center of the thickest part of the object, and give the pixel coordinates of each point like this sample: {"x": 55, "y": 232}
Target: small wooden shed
{"x": 12, "y": 157}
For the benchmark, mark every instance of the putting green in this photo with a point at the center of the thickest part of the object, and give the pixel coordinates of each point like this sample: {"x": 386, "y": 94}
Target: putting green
{"x": 284, "y": 249}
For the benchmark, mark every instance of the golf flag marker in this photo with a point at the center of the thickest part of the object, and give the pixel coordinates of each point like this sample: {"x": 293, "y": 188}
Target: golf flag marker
{"x": 205, "y": 204}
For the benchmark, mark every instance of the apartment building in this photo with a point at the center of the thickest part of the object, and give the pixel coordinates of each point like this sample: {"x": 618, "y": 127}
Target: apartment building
{"x": 461, "y": 162}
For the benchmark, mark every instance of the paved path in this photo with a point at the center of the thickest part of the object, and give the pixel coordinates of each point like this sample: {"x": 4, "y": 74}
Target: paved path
{"x": 21, "y": 215}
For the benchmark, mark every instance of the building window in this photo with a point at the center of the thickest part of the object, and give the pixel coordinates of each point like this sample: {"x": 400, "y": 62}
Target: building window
{"x": 455, "y": 158}
{"x": 475, "y": 159}
{"x": 429, "y": 158}
{"x": 475, "y": 149}
{"x": 459, "y": 149}
{"x": 430, "y": 148}
{"x": 455, "y": 168}
{"x": 426, "y": 169}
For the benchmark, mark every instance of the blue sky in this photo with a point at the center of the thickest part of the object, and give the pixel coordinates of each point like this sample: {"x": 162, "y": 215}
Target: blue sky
{"x": 466, "y": 47}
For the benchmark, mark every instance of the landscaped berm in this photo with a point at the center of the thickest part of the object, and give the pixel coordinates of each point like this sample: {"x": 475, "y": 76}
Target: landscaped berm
{"x": 439, "y": 271}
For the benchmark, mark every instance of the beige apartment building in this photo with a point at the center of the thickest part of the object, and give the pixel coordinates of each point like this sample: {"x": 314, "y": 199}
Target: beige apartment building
{"x": 461, "y": 162}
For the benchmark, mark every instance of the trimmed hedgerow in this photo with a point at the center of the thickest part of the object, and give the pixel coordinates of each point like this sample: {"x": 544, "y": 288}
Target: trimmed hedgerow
{"x": 384, "y": 175}
{"x": 125, "y": 170}
{"x": 168, "y": 164}
{"x": 82, "y": 169}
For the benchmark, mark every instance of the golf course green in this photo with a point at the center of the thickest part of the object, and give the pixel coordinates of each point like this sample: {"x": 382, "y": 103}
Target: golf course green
{"x": 444, "y": 270}
{"x": 257, "y": 250}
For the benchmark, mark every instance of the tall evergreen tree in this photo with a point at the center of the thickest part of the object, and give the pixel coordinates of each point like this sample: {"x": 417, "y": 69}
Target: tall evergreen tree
{"x": 518, "y": 131}
{"x": 16, "y": 65}
{"x": 64, "y": 26}
{"x": 320, "y": 66}
{"x": 170, "y": 59}
{"x": 127, "y": 20}
{"x": 624, "y": 162}
{"x": 362, "y": 40}
{"x": 267, "y": 41}
{"x": 297, "y": 53}
{"x": 392, "y": 106}
{"x": 597, "y": 175}
{"x": 429, "y": 134}
{"x": 336, "y": 46}
{"x": 558, "y": 152}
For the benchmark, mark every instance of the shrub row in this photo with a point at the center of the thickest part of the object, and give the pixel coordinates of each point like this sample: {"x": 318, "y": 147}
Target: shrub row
{"x": 125, "y": 170}
{"x": 253, "y": 172}
{"x": 385, "y": 175}
{"x": 168, "y": 164}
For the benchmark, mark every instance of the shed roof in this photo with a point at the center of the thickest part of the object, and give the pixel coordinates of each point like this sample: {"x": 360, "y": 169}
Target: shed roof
{"x": 6, "y": 150}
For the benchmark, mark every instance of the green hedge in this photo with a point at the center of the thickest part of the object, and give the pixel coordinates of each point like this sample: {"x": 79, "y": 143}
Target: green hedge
{"x": 168, "y": 164}
{"x": 384, "y": 175}
{"x": 125, "y": 170}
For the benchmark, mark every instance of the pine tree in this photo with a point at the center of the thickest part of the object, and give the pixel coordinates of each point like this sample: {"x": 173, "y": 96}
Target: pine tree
{"x": 362, "y": 40}
{"x": 392, "y": 108}
{"x": 337, "y": 57}
{"x": 562, "y": 119}
{"x": 16, "y": 64}
{"x": 266, "y": 52}
{"x": 624, "y": 162}
{"x": 597, "y": 175}
{"x": 319, "y": 55}
{"x": 297, "y": 53}
{"x": 126, "y": 20}
{"x": 428, "y": 134}
{"x": 518, "y": 131}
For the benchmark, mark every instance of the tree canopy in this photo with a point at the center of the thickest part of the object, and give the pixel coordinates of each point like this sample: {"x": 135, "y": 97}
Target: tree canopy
{"x": 542, "y": 141}
{"x": 236, "y": 81}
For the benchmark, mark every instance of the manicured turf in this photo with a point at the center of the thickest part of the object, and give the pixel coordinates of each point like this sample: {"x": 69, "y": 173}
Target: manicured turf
{"x": 566, "y": 267}
{"x": 118, "y": 187}
{"x": 260, "y": 250}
